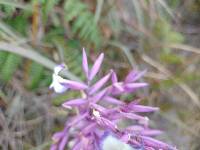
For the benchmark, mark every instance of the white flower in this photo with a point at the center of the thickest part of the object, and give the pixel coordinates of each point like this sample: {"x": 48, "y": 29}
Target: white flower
{"x": 57, "y": 80}
{"x": 112, "y": 143}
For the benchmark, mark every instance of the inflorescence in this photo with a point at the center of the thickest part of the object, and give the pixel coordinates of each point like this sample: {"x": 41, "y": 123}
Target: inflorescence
{"x": 100, "y": 112}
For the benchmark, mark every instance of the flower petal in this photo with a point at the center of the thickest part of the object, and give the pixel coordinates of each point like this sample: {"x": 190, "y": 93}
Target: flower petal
{"x": 99, "y": 84}
{"x": 76, "y": 119}
{"x": 58, "y": 68}
{"x": 85, "y": 63}
{"x": 99, "y": 108}
{"x": 63, "y": 142}
{"x": 74, "y": 84}
{"x": 134, "y": 75}
{"x": 53, "y": 147}
{"x": 151, "y": 132}
{"x": 141, "y": 108}
{"x": 56, "y": 85}
{"x": 130, "y": 76}
{"x": 114, "y": 77}
{"x": 112, "y": 143}
{"x": 97, "y": 97}
{"x": 136, "y": 129}
{"x": 104, "y": 122}
{"x": 130, "y": 116}
{"x": 77, "y": 146}
{"x": 155, "y": 143}
{"x": 135, "y": 85}
{"x": 57, "y": 136}
{"x": 113, "y": 100}
{"x": 96, "y": 66}
{"x": 88, "y": 129}
{"x": 74, "y": 103}
{"x": 117, "y": 88}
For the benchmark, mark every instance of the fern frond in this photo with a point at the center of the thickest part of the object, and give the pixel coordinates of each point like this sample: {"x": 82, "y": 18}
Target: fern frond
{"x": 3, "y": 57}
{"x": 73, "y": 8}
{"x": 46, "y": 79}
{"x": 72, "y": 55}
{"x": 47, "y": 6}
{"x": 10, "y": 66}
{"x": 35, "y": 73}
{"x": 83, "y": 21}
{"x": 6, "y": 9}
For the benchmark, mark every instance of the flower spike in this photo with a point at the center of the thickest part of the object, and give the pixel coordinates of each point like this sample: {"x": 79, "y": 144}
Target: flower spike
{"x": 100, "y": 112}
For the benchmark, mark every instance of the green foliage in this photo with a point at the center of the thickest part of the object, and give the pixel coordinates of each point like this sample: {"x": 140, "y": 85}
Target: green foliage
{"x": 35, "y": 73}
{"x": 10, "y": 66}
{"x": 72, "y": 55}
{"x": 7, "y": 10}
{"x": 9, "y": 62}
{"x": 63, "y": 27}
{"x": 47, "y": 7}
{"x": 18, "y": 23}
{"x": 174, "y": 3}
{"x": 83, "y": 22}
{"x": 3, "y": 57}
{"x": 73, "y": 59}
{"x": 46, "y": 79}
{"x": 164, "y": 32}
{"x": 37, "y": 76}
{"x": 167, "y": 83}
{"x": 180, "y": 78}
{"x": 191, "y": 77}
{"x": 171, "y": 58}
{"x": 58, "y": 100}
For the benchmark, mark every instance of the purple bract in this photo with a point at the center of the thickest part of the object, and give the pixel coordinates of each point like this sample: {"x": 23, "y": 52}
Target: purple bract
{"x": 99, "y": 111}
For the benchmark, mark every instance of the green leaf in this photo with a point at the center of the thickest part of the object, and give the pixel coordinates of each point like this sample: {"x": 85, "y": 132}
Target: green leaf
{"x": 3, "y": 57}
{"x": 19, "y": 23}
{"x": 10, "y": 66}
{"x": 35, "y": 73}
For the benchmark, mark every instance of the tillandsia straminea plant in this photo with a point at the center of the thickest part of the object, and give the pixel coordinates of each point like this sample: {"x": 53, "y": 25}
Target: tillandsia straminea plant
{"x": 98, "y": 122}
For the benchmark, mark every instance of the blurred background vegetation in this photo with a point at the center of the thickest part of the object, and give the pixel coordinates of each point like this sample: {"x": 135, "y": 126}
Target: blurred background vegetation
{"x": 161, "y": 36}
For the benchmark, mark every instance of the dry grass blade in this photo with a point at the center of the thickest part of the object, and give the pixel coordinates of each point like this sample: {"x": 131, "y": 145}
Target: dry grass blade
{"x": 179, "y": 123}
{"x": 16, "y": 5}
{"x": 126, "y": 51}
{"x": 154, "y": 75}
{"x": 183, "y": 86}
{"x": 185, "y": 48}
{"x": 33, "y": 55}
{"x": 166, "y": 7}
{"x": 98, "y": 10}
{"x": 30, "y": 54}
{"x": 8, "y": 31}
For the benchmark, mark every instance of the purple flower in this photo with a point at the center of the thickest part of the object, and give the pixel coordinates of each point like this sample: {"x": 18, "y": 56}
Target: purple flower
{"x": 100, "y": 112}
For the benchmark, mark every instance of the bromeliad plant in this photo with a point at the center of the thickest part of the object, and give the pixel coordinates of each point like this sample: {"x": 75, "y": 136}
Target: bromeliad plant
{"x": 98, "y": 122}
